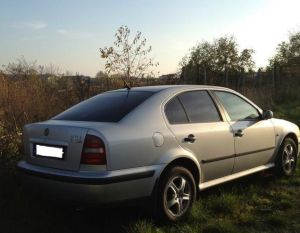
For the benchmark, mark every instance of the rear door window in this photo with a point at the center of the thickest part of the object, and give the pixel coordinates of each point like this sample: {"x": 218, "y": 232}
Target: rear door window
{"x": 175, "y": 112}
{"x": 199, "y": 107}
{"x": 106, "y": 107}
{"x": 192, "y": 107}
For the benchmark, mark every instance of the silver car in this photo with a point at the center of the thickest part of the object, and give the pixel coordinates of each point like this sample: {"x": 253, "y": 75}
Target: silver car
{"x": 163, "y": 143}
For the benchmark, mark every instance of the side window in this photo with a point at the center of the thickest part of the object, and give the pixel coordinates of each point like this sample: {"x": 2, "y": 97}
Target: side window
{"x": 175, "y": 112}
{"x": 199, "y": 107}
{"x": 236, "y": 107}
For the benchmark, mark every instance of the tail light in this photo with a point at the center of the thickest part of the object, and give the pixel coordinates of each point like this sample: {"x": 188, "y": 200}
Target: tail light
{"x": 93, "y": 152}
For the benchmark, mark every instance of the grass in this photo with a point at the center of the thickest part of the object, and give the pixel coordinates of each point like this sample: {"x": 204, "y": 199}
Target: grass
{"x": 257, "y": 203}
{"x": 288, "y": 110}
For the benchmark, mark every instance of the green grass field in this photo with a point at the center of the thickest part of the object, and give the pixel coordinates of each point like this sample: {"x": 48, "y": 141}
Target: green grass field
{"x": 257, "y": 203}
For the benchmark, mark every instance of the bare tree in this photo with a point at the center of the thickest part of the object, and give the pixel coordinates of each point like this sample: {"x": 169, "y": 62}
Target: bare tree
{"x": 129, "y": 57}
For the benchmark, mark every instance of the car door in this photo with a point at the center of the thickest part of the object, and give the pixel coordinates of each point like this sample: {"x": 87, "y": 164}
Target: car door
{"x": 199, "y": 127}
{"x": 254, "y": 138}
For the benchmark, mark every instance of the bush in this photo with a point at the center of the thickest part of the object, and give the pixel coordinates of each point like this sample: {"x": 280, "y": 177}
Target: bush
{"x": 10, "y": 148}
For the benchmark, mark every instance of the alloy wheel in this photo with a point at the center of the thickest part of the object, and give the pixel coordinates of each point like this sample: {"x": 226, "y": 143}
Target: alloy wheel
{"x": 177, "y": 196}
{"x": 289, "y": 158}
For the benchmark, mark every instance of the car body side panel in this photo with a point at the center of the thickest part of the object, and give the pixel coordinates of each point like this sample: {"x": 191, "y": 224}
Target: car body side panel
{"x": 132, "y": 145}
{"x": 282, "y": 129}
{"x": 213, "y": 148}
{"x": 129, "y": 148}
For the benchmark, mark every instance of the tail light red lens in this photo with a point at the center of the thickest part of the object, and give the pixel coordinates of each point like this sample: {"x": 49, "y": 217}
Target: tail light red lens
{"x": 93, "y": 152}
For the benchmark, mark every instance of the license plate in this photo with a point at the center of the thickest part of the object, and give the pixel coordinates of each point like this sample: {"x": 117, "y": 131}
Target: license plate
{"x": 49, "y": 151}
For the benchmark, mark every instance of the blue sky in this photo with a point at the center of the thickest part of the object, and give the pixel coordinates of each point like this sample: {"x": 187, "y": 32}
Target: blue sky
{"x": 69, "y": 33}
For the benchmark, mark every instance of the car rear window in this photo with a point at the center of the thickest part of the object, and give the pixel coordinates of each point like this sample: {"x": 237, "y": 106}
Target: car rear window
{"x": 106, "y": 107}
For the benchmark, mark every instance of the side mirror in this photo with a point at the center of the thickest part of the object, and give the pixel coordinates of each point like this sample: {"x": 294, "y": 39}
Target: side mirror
{"x": 267, "y": 114}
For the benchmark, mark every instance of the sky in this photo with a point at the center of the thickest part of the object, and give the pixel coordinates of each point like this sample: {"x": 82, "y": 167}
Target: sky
{"x": 68, "y": 33}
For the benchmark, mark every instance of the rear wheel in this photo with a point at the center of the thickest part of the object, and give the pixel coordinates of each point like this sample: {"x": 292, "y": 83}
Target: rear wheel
{"x": 287, "y": 158}
{"x": 176, "y": 194}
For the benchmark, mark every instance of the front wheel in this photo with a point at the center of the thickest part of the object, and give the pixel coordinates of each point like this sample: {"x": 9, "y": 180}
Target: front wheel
{"x": 176, "y": 194}
{"x": 286, "y": 160}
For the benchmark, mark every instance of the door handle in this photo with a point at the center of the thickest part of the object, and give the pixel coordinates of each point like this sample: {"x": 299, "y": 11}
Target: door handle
{"x": 190, "y": 138}
{"x": 239, "y": 133}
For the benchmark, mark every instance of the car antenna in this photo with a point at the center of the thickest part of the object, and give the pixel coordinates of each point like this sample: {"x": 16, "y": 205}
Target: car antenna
{"x": 126, "y": 85}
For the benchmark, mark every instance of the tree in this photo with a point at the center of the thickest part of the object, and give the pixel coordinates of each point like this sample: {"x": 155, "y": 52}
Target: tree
{"x": 103, "y": 79}
{"x": 202, "y": 57}
{"x": 101, "y": 75}
{"x": 246, "y": 64}
{"x": 226, "y": 55}
{"x": 82, "y": 86}
{"x": 129, "y": 57}
{"x": 220, "y": 57}
{"x": 21, "y": 69}
{"x": 288, "y": 53}
{"x": 245, "y": 61}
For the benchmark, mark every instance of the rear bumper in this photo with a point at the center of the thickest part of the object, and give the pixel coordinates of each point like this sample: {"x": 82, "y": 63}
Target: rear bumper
{"x": 90, "y": 187}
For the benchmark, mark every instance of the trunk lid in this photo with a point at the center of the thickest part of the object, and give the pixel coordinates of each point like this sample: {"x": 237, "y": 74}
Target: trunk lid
{"x": 67, "y": 137}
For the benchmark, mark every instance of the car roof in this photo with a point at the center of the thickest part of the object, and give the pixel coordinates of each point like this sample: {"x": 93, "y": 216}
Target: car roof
{"x": 172, "y": 87}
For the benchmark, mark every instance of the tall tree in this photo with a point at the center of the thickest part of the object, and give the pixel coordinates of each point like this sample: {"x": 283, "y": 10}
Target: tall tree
{"x": 202, "y": 58}
{"x": 103, "y": 78}
{"x": 129, "y": 57}
{"x": 245, "y": 61}
{"x": 226, "y": 55}
{"x": 288, "y": 53}
{"x": 246, "y": 64}
{"x": 221, "y": 56}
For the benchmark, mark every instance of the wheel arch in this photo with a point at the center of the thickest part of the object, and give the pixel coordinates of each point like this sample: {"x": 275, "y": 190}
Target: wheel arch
{"x": 294, "y": 137}
{"x": 187, "y": 163}
{"x": 182, "y": 161}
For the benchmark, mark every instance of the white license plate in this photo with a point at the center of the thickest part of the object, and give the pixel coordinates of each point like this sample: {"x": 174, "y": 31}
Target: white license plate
{"x": 49, "y": 151}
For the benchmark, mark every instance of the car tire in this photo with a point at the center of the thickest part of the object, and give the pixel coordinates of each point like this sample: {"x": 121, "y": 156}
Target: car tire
{"x": 286, "y": 160}
{"x": 176, "y": 194}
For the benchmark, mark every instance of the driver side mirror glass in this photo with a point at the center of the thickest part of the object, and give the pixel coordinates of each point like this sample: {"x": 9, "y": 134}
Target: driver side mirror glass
{"x": 267, "y": 114}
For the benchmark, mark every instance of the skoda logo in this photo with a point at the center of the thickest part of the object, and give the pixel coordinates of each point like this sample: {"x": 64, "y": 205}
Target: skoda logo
{"x": 46, "y": 132}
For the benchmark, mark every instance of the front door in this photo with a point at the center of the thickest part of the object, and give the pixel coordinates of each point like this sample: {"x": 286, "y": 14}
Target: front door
{"x": 254, "y": 138}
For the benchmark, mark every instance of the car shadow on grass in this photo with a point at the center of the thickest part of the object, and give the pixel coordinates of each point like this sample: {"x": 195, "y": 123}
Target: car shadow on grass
{"x": 22, "y": 211}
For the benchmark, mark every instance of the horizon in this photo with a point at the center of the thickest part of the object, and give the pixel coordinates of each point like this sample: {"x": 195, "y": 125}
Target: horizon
{"x": 68, "y": 34}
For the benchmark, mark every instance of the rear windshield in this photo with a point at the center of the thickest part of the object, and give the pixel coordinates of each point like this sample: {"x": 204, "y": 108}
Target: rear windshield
{"x": 106, "y": 107}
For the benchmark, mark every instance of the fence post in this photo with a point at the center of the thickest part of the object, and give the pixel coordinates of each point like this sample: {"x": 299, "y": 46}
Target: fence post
{"x": 273, "y": 75}
{"x": 205, "y": 75}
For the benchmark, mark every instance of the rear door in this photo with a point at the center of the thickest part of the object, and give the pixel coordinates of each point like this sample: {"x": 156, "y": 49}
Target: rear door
{"x": 254, "y": 138}
{"x": 199, "y": 127}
